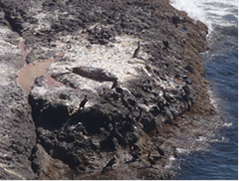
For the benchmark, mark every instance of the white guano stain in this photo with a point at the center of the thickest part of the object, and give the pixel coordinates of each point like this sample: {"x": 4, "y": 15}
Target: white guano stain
{"x": 115, "y": 58}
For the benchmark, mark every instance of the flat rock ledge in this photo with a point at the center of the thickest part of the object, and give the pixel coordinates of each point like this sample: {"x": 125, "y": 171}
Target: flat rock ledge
{"x": 121, "y": 79}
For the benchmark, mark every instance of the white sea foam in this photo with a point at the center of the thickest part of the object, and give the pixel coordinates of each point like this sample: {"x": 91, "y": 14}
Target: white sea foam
{"x": 202, "y": 138}
{"x": 213, "y": 98}
{"x": 210, "y": 12}
{"x": 221, "y": 140}
{"x": 182, "y": 150}
{"x": 191, "y": 7}
{"x": 227, "y": 124}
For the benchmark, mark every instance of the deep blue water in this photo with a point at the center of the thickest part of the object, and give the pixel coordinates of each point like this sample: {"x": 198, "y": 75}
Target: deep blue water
{"x": 220, "y": 160}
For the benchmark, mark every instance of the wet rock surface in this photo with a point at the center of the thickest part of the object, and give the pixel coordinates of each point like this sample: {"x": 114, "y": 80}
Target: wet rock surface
{"x": 130, "y": 80}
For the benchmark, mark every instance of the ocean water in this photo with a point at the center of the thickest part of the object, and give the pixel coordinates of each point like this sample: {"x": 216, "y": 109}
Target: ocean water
{"x": 220, "y": 160}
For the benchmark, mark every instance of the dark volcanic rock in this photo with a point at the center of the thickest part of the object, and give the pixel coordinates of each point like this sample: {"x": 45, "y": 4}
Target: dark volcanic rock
{"x": 45, "y": 166}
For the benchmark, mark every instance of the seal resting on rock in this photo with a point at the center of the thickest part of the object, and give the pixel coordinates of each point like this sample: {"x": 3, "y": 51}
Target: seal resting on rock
{"x": 94, "y": 73}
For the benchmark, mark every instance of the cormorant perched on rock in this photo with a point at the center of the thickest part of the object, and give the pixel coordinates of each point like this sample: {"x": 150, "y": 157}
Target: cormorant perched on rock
{"x": 186, "y": 89}
{"x": 151, "y": 160}
{"x": 160, "y": 151}
{"x": 136, "y": 52}
{"x": 111, "y": 162}
{"x": 83, "y": 102}
{"x": 115, "y": 83}
{"x": 176, "y": 20}
{"x": 166, "y": 45}
{"x": 134, "y": 155}
{"x": 119, "y": 90}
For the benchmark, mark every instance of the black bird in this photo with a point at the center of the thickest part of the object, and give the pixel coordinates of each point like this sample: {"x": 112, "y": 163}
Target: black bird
{"x": 166, "y": 44}
{"x": 135, "y": 156}
{"x": 136, "y": 52}
{"x": 111, "y": 162}
{"x": 176, "y": 20}
{"x": 119, "y": 90}
{"x": 115, "y": 83}
{"x": 68, "y": 69}
{"x": 160, "y": 151}
{"x": 83, "y": 102}
{"x": 151, "y": 160}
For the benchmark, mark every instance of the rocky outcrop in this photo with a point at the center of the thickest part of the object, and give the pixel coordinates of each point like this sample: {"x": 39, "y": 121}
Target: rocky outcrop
{"x": 129, "y": 75}
{"x": 48, "y": 168}
{"x": 17, "y": 127}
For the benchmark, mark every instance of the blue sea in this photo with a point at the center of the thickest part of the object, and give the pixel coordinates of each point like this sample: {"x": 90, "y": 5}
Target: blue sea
{"x": 220, "y": 160}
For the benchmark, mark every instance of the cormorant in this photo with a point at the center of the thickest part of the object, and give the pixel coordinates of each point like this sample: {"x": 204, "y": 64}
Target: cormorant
{"x": 119, "y": 90}
{"x": 151, "y": 160}
{"x": 111, "y": 162}
{"x": 68, "y": 69}
{"x": 176, "y": 20}
{"x": 136, "y": 52}
{"x": 83, "y": 102}
{"x": 134, "y": 155}
{"x": 166, "y": 44}
{"x": 115, "y": 83}
{"x": 160, "y": 151}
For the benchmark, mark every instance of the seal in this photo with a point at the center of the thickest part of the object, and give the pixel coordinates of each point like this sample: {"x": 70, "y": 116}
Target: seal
{"x": 97, "y": 74}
